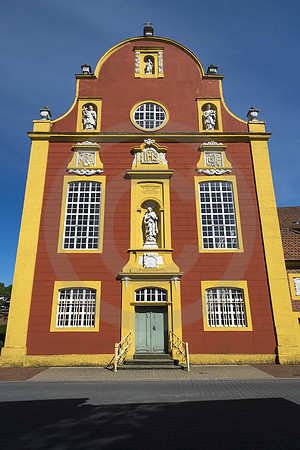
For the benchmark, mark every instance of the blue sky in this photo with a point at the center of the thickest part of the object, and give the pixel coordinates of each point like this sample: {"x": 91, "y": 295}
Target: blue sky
{"x": 43, "y": 43}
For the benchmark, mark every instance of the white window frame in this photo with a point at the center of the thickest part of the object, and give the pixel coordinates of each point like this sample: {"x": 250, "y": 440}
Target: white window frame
{"x": 226, "y": 308}
{"x": 150, "y": 116}
{"x": 76, "y": 308}
{"x": 219, "y": 228}
{"x": 150, "y": 294}
{"x": 82, "y": 216}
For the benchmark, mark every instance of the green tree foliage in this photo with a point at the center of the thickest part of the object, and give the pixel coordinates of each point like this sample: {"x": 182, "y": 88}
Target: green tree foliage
{"x": 5, "y": 293}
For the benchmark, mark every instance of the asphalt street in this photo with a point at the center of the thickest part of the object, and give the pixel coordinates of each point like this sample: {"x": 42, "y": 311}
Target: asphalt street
{"x": 232, "y": 414}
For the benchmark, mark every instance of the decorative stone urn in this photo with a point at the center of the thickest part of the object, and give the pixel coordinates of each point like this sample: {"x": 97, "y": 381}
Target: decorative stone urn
{"x": 45, "y": 113}
{"x": 252, "y": 114}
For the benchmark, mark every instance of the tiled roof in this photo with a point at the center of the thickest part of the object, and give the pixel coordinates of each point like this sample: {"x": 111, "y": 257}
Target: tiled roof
{"x": 289, "y": 220}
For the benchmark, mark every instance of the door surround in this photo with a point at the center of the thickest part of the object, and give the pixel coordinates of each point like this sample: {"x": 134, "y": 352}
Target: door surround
{"x": 167, "y": 282}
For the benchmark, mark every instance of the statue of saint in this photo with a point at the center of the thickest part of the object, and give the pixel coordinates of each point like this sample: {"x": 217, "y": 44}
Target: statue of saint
{"x": 89, "y": 118}
{"x": 297, "y": 285}
{"x": 210, "y": 118}
{"x": 151, "y": 228}
{"x": 149, "y": 66}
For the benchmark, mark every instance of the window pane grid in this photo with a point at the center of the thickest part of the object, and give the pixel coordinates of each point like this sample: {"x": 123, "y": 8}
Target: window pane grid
{"x": 218, "y": 219}
{"x": 82, "y": 219}
{"x": 151, "y": 294}
{"x": 225, "y": 307}
{"x": 76, "y": 308}
{"x": 149, "y": 116}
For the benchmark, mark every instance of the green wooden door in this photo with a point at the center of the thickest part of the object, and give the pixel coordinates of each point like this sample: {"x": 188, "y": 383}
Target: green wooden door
{"x": 151, "y": 329}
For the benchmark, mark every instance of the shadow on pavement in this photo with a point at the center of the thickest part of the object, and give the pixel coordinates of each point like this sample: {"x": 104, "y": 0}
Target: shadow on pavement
{"x": 72, "y": 423}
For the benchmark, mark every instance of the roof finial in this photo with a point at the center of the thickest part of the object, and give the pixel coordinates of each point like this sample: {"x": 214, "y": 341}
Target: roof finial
{"x": 148, "y": 29}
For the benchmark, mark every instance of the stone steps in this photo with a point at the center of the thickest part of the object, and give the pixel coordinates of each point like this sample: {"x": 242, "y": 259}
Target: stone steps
{"x": 150, "y": 362}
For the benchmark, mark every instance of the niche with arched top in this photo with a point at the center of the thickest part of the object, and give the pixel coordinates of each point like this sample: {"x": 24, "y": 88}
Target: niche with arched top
{"x": 149, "y": 65}
{"x": 152, "y": 225}
{"x": 209, "y": 117}
{"x": 89, "y": 116}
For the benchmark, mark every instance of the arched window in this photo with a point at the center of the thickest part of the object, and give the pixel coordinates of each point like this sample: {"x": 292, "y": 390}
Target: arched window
{"x": 82, "y": 218}
{"x": 150, "y": 294}
{"x": 218, "y": 218}
{"x": 225, "y": 307}
{"x": 76, "y": 308}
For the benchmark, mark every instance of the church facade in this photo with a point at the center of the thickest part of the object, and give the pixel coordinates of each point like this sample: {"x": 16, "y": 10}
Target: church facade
{"x": 149, "y": 210}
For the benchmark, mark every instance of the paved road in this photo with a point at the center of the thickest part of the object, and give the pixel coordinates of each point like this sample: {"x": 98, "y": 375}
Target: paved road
{"x": 189, "y": 414}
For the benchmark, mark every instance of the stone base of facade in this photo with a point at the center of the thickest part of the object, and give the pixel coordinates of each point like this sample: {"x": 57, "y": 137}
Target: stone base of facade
{"x": 56, "y": 360}
{"x": 106, "y": 359}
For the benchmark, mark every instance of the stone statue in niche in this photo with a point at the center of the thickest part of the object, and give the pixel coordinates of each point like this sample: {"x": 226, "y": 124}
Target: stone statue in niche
{"x": 210, "y": 118}
{"x": 89, "y": 118}
{"x": 149, "y": 66}
{"x": 151, "y": 227}
{"x": 297, "y": 285}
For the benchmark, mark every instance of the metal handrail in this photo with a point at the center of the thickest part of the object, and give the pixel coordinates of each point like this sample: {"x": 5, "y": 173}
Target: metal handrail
{"x": 180, "y": 349}
{"x": 121, "y": 350}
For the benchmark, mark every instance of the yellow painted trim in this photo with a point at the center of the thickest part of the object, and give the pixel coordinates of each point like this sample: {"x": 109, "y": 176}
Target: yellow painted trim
{"x": 17, "y": 326}
{"x": 156, "y": 103}
{"x": 74, "y": 164}
{"x": 292, "y": 285}
{"x": 71, "y": 107}
{"x": 142, "y": 151}
{"x": 256, "y": 126}
{"x": 58, "y": 285}
{"x": 156, "y": 190}
{"x": 217, "y": 106}
{"x": 286, "y": 330}
{"x": 57, "y": 360}
{"x": 231, "y": 179}
{"x": 69, "y": 179}
{"x": 206, "y": 149}
{"x": 41, "y": 126}
{"x": 96, "y": 102}
{"x": 153, "y": 53}
{"x": 225, "y": 106}
{"x": 232, "y": 358}
{"x": 240, "y": 284}
{"x": 117, "y": 47}
{"x": 159, "y": 137}
{"x": 128, "y": 305}
{"x": 296, "y": 317}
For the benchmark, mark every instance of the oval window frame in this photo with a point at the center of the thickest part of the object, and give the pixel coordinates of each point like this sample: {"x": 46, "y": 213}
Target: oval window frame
{"x": 133, "y": 109}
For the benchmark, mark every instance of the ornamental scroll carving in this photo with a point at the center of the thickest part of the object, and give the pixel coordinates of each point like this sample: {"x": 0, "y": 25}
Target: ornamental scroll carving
{"x": 148, "y": 62}
{"x": 86, "y": 160}
{"x": 150, "y": 260}
{"x": 150, "y": 156}
{"x": 160, "y": 62}
{"x": 213, "y": 160}
{"x": 149, "y": 153}
{"x": 137, "y": 62}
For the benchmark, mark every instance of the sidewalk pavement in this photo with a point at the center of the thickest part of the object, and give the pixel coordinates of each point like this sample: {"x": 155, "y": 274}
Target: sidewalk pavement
{"x": 197, "y": 372}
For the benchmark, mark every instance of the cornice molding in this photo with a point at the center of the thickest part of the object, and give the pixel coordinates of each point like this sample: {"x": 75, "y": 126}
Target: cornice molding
{"x": 159, "y": 137}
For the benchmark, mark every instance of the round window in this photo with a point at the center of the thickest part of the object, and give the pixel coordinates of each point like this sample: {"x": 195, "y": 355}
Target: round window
{"x": 149, "y": 116}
